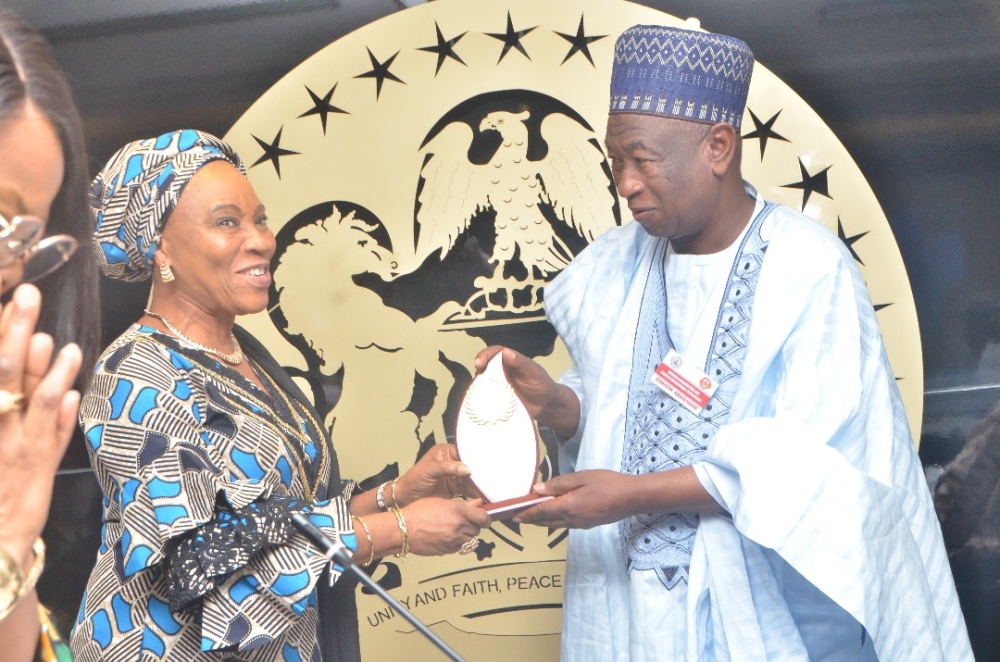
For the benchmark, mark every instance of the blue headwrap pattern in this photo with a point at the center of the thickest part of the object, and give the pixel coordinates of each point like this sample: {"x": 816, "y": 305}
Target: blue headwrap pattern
{"x": 133, "y": 195}
{"x": 683, "y": 74}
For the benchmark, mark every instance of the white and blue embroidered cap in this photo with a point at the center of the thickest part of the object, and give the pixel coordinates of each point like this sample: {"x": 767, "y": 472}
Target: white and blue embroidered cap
{"x": 680, "y": 73}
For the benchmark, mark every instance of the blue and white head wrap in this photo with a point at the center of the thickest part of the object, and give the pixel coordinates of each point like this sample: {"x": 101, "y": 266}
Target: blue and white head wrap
{"x": 683, "y": 74}
{"x": 133, "y": 195}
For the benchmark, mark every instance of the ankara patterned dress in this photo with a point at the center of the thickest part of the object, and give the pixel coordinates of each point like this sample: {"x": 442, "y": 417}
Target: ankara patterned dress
{"x": 204, "y": 447}
{"x": 200, "y": 469}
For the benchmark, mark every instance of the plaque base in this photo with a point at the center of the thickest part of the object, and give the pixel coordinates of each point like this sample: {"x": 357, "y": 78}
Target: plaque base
{"x": 507, "y": 508}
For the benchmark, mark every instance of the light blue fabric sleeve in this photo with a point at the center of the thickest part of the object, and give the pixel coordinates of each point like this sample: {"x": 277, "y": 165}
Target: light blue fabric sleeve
{"x": 820, "y": 465}
{"x": 569, "y": 447}
{"x": 707, "y": 482}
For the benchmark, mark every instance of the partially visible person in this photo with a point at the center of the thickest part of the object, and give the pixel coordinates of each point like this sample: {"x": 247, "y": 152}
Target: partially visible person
{"x": 738, "y": 469}
{"x": 37, "y": 418}
{"x": 967, "y": 498}
{"x": 43, "y": 181}
{"x": 204, "y": 447}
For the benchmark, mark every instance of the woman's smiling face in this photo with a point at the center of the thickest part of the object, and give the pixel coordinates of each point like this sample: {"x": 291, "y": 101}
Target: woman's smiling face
{"x": 217, "y": 243}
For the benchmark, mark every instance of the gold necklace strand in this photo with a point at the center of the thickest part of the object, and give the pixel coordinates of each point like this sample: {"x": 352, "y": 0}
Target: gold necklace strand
{"x": 281, "y": 427}
{"x": 324, "y": 458}
{"x": 275, "y": 423}
{"x": 310, "y": 488}
{"x": 271, "y": 387}
{"x": 235, "y": 358}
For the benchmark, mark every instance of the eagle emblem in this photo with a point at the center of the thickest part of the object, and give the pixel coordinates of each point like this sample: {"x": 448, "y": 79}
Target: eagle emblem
{"x": 538, "y": 172}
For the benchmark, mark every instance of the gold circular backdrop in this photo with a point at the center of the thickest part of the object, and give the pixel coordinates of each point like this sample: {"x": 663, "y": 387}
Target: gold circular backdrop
{"x": 426, "y": 176}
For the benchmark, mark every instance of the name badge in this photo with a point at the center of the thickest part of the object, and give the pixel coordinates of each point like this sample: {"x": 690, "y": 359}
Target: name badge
{"x": 684, "y": 382}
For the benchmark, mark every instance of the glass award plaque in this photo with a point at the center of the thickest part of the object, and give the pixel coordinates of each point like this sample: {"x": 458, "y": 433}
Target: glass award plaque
{"x": 498, "y": 441}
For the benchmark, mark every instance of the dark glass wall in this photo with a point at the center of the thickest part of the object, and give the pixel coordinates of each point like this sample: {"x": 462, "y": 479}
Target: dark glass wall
{"x": 912, "y": 88}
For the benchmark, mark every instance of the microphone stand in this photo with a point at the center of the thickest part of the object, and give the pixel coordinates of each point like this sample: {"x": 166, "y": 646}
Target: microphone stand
{"x": 334, "y": 550}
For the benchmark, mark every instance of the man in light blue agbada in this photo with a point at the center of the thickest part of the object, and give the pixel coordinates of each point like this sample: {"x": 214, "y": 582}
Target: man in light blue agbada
{"x": 737, "y": 469}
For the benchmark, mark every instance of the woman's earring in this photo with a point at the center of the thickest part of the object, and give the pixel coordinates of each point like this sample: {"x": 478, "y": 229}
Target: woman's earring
{"x": 165, "y": 273}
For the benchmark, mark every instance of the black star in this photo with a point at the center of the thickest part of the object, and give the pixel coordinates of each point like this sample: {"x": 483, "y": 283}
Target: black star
{"x": 322, "y": 107}
{"x": 811, "y": 183}
{"x": 581, "y": 43}
{"x": 445, "y": 48}
{"x": 849, "y": 241}
{"x": 763, "y": 131}
{"x": 484, "y": 550}
{"x": 380, "y": 72}
{"x": 880, "y": 306}
{"x": 512, "y": 39}
{"x": 272, "y": 152}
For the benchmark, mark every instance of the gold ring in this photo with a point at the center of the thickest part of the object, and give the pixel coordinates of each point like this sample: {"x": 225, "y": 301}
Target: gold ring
{"x": 10, "y": 401}
{"x": 469, "y": 547}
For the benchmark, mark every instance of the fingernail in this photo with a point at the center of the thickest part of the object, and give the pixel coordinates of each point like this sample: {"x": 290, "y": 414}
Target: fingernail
{"x": 464, "y": 470}
{"x": 26, "y": 297}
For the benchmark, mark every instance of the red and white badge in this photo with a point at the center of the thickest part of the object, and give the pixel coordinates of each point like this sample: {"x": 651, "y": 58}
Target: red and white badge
{"x": 684, "y": 382}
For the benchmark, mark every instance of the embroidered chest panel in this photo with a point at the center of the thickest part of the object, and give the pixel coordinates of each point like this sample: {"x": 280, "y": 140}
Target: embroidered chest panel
{"x": 661, "y": 434}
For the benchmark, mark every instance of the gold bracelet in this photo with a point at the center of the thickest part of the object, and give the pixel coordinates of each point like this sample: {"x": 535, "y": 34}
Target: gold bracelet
{"x": 14, "y": 585}
{"x": 395, "y": 501}
{"x": 380, "y": 497}
{"x": 368, "y": 536}
{"x": 404, "y": 548}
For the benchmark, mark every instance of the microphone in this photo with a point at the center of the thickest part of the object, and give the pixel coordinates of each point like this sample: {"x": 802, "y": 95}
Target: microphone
{"x": 333, "y": 550}
{"x": 336, "y": 551}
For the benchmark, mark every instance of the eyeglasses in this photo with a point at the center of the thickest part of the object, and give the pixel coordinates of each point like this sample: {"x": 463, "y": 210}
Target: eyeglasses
{"x": 21, "y": 241}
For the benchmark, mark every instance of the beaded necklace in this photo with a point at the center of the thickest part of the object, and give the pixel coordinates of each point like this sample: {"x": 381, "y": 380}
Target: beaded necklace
{"x": 235, "y": 358}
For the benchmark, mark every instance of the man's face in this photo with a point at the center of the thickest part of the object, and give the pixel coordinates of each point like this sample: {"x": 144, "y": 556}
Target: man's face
{"x": 661, "y": 169}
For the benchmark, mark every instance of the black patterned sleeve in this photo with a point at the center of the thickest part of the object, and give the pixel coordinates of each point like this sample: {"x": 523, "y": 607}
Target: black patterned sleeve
{"x": 207, "y": 556}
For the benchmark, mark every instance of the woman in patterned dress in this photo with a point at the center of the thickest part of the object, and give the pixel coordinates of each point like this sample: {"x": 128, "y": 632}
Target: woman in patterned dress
{"x": 204, "y": 447}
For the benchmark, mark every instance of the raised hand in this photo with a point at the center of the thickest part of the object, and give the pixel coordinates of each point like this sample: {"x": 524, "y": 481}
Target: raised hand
{"x": 37, "y": 418}
{"x": 439, "y": 473}
{"x": 547, "y": 401}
